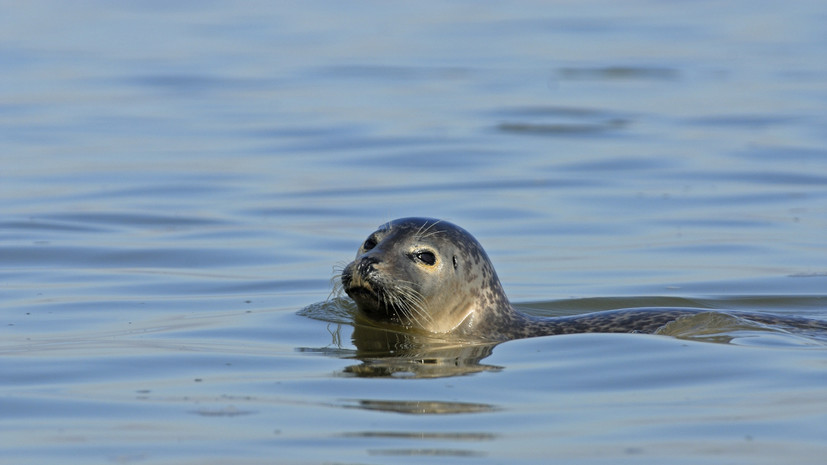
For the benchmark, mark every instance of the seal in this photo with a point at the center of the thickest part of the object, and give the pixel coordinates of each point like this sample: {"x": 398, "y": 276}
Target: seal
{"x": 431, "y": 276}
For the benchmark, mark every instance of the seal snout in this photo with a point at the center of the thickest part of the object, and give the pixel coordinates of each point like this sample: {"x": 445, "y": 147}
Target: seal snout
{"x": 357, "y": 276}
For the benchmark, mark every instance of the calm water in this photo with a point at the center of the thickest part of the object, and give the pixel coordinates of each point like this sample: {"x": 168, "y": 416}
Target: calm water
{"x": 178, "y": 182}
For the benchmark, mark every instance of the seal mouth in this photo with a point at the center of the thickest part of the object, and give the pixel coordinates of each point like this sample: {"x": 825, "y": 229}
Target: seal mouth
{"x": 371, "y": 305}
{"x": 361, "y": 293}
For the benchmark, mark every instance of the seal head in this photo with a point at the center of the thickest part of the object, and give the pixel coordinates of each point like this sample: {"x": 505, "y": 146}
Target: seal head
{"x": 423, "y": 273}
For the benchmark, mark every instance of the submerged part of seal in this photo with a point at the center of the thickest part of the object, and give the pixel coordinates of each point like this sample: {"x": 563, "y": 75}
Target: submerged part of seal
{"x": 432, "y": 276}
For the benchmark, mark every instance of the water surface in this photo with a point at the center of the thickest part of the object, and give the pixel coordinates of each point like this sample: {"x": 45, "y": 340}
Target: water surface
{"x": 178, "y": 182}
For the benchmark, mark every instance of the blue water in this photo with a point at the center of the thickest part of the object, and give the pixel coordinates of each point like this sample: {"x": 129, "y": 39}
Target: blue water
{"x": 179, "y": 180}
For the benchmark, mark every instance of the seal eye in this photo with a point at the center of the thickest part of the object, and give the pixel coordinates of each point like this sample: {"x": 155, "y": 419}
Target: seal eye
{"x": 427, "y": 258}
{"x": 369, "y": 244}
{"x": 455, "y": 262}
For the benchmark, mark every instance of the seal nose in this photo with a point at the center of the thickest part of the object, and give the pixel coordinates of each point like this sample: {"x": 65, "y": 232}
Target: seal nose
{"x": 367, "y": 264}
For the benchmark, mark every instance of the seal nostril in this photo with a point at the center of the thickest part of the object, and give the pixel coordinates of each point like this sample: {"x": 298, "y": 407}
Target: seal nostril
{"x": 366, "y": 265}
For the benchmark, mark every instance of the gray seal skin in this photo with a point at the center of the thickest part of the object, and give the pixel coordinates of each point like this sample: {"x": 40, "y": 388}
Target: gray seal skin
{"x": 430, "y": 276}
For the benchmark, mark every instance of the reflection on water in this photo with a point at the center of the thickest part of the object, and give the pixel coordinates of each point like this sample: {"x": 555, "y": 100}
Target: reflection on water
{"x": 562, "y": 129}
{"x": 420, "y": 407}
{"x": 619, "y": 72}
{"x": 388, "y": 352}
{"x": 457, "y": 436}
{"x": 424, "y": 436}
{"x": 560, "y": 121}
{"x": 427, "y": 452}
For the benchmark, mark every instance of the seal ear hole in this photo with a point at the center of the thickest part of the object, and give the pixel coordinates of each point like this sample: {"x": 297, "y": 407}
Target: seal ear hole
{"x": 455, "y": 262}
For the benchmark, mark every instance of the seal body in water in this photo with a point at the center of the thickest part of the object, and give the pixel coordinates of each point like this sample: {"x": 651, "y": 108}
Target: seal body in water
{"x": 431, "y": 276}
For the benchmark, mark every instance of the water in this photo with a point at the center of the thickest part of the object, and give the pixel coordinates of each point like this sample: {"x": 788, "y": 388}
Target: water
{"x": 179, "y": 180}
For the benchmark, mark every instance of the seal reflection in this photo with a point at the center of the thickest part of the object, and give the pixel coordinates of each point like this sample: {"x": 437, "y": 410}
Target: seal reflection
{"x": 385, "y": 353}
{"x": 389, "y": 352}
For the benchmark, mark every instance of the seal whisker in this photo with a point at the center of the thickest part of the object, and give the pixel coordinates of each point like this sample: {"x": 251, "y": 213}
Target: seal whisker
{"x": 414, "y": 301}
{"x": 407, "y": 308}
{"x": 418, "y": 234}
{"x": 425, "y": 230}
{"x": 399, "y": 307}
{"x": 406, "y": 303}
{"x": 337, "y": 286}
{"x": 402, "y": 307}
